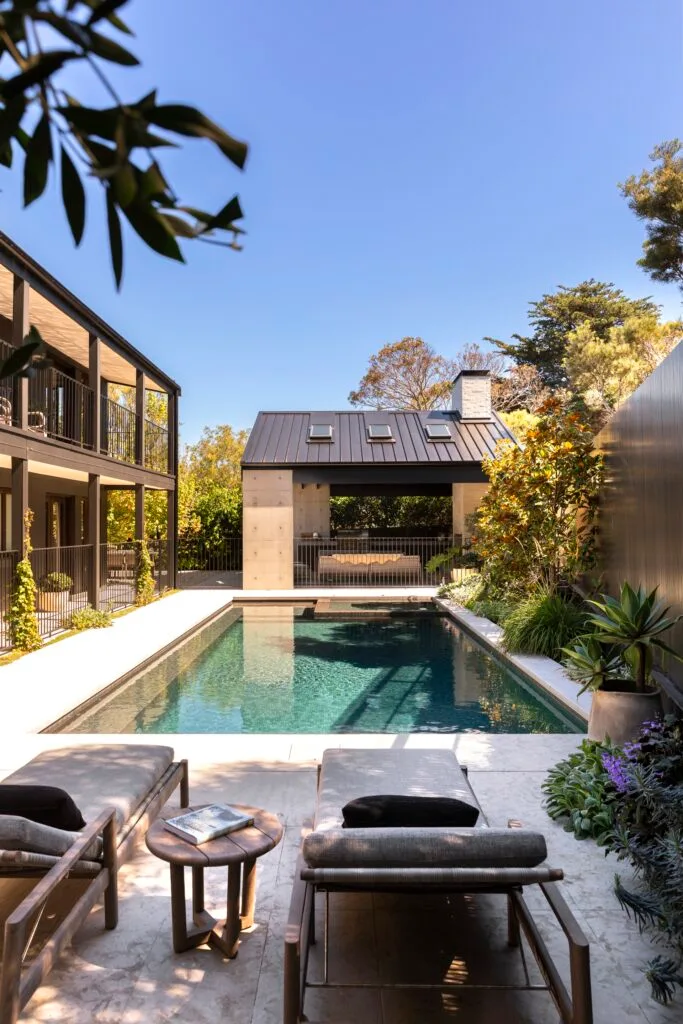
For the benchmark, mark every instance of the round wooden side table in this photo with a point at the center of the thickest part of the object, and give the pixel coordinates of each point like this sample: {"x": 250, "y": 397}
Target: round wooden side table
{"x": 239, "y": 851}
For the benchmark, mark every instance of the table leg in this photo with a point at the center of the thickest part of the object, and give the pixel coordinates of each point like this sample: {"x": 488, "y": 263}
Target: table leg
{"x": 229, "y": 938}
{"x": 184, "y": 939}
{"x": 197, "y": 891}
{"x": 248, "y": 893}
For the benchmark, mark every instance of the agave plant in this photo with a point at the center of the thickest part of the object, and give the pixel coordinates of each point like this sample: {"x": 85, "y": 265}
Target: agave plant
{"x": 633, "y": 623}
{"x": 591, "y": 663}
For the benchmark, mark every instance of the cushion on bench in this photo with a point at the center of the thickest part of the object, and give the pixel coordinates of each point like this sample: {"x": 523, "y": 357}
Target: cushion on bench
{"x": 99, "y": 775}
{"x": 424, "y": 847}
{"x": 346, "y": 775}
{"x": 22, "y": 834}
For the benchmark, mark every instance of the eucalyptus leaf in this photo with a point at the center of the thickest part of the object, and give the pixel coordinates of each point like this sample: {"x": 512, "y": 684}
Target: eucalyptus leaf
{"x": 37, "y": 162}
{"x": 115, "y": 240}
{"x": 73, "y": 197}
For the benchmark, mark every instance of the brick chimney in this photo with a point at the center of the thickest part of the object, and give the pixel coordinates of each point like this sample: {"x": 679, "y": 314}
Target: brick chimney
{"x": 472, "y": 395}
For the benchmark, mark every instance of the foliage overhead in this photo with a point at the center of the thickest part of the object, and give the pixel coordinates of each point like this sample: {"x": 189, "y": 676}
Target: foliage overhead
{"x": 558, "y": 314}
{"x": 115, "y": 144}
{"x": 656, "y": 197}
{"x": 537, "y": 522}
{"x": 605, "y": 371}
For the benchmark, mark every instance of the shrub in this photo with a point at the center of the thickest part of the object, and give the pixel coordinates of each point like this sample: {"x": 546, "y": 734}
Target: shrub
{"x": 543, "y": 624}
{"x": 580, "y": 793}
{"x": 648, "y": 833}
{"x": 87, "y": 618}
{"x": 144, "y": 578}
{"x": 23, "y": 625}
{"x": 495, "y": 609}
{"x": 55, "y": 583}
{"x": 462, "y": 591}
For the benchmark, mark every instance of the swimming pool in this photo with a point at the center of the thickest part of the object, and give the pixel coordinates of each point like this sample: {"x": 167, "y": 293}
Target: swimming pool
{"x": 284, "y": 669}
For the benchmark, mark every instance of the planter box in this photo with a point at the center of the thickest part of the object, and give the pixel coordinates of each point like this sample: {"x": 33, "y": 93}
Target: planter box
{"x": 52, "y": 601}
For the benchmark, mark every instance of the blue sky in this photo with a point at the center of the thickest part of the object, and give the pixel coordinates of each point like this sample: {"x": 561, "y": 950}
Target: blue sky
{"x": 416, "y": 168}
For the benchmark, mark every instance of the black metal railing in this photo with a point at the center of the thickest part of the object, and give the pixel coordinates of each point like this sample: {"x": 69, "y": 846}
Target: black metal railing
{"x": 118, "y": 571}
{"x": 8, "y": 563}
{"x": 156, "y": 447}
{"x": 62, "y": 578}
{"x": 60, "y": 407}
{"x": 7, "y": 400}
{"x": 119, "y": 429}
{"x": 224, "y": 555}
{"x": 374, "y": 561}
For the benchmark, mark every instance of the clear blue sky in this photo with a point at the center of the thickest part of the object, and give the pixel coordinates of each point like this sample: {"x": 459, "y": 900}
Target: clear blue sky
{"x": 416, "y": 168}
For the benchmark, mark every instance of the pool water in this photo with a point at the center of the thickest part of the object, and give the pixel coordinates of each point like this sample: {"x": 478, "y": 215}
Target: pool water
{"x": 275, "y": 669}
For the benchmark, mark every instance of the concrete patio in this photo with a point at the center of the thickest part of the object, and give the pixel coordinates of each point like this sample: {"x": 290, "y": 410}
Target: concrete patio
{"x": 131, "y": 975}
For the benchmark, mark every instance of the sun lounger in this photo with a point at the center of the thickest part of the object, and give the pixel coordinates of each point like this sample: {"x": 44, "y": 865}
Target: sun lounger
{"x": 422, "y": 860}
{"x": 120, "y": 790}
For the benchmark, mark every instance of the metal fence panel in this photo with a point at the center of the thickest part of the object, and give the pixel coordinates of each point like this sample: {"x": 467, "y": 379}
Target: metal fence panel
{"x": 373, "y": 561}
{"x": 62, "y": 577}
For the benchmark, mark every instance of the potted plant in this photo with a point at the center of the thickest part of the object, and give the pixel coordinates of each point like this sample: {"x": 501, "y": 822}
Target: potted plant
{"x": 50, "y": 588}
{"x": 615, "y": 661}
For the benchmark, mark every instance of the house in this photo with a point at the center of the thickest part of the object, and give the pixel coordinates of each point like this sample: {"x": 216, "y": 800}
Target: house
{"x": 295, "y": 461}
{"x": 93, "y": 415}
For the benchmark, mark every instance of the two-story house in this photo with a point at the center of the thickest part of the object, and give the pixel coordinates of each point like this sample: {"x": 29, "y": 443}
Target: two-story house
{"x": 92, "y": 416}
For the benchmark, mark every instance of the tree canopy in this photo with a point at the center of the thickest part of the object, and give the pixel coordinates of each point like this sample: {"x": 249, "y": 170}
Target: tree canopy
{"x": 556, "y": 315}
{"x": 656, "y": 197}
{"x": 115, "y": 143}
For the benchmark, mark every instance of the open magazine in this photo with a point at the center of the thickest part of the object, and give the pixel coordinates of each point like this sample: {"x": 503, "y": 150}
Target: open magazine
{"x": 208, "y": 823}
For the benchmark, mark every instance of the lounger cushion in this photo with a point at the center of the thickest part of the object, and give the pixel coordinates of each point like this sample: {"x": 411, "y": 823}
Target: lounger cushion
{"x": 348, "y": 774}
{"x": 30, "y": 837}
{"x": 100, "y": 775}
{"x": 47, "y": 805}
{"x": 409, "y": 811}
{"x": 424, "y": 847}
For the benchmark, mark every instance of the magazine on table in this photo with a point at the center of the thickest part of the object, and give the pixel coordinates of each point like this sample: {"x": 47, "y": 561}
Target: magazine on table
{"x": 208, "y": 823}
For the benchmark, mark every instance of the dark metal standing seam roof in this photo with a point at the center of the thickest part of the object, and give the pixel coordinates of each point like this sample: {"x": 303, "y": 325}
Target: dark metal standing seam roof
{"x": 281, "y": 439}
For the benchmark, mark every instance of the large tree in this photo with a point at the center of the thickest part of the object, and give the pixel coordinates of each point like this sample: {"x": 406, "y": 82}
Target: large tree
{"x": 557, "y": 314}
{"x": 215, "y": 459}
{"x": 409, "y": 374}
{"x": 114, "y": 143}
{"x": 656, "y": 197}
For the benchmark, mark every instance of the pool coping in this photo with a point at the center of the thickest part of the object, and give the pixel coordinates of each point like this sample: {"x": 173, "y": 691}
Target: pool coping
{"x": 547, "y": 674}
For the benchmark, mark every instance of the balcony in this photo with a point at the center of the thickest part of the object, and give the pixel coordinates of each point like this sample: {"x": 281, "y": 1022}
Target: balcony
{"x": 63, "y": 408}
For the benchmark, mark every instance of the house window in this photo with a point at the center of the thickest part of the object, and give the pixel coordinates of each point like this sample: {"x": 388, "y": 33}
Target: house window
{"x": 379, "y": 432}
{"x": 439, "y": 432}
{"x": 320, "y": 432}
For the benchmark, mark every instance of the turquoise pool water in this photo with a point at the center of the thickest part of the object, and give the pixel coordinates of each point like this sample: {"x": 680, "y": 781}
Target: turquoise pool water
{"x": 272, "y": 669}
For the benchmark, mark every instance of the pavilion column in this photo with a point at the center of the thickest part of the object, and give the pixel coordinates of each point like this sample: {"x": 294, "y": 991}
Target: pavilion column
{"x": 311, "y": 510}
{"x": 466, "y": 499}
{"x": 20, "y": 328}
{"x": 19, "y": 503}
{"x": 140, "y": 414}
{"x": 268, "y": 529}
{"x": 94, "y": 537}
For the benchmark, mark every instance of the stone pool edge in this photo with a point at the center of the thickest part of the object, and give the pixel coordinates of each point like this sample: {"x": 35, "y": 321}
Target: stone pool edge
{"x": 545, "y": 673}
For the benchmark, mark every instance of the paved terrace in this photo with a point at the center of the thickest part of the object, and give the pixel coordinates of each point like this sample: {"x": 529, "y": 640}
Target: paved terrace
{"x": 131, "y": 975}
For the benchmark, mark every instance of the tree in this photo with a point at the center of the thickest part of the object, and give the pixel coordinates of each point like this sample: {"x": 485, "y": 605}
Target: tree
{"x": 386, "y": 513}
{"x": 38, "y": 40}
{"x": 473, "y": 357}
{"x": 656, "y": 197}
{"x": 537, "y": 523}
{"x": 520, "y": 389}
{"x": 555, "y": 316}
{"x": 519, "y": 421}
{"x": 216, "y": 457}
{"x": 22, "y": 621}
{"x": 604, "y": 372}
{"x": 406, "y": 374}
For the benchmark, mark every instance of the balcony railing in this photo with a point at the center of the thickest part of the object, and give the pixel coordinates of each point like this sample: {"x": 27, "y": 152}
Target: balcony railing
{"x": 60, "y": 407}
{"x": 156, "y": 447}
{"x": 119, "y": 431}
{"x": 7, "y": 406}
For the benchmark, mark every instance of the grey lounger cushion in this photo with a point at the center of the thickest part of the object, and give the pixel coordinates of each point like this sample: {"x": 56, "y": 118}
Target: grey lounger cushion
{"x": 31, "y": 837}
{"x": 100, "y": 775}
{"x": 424, "y": 847}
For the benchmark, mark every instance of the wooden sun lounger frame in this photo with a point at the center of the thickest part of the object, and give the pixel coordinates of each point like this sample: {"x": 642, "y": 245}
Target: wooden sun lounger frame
{"x": 19, "y": 982}
{"x": 574, "y": 1006}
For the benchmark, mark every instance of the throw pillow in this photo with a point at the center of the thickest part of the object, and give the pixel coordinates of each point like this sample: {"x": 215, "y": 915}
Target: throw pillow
{"x": 46, "y": 805}
{"x": 409, "y": 811}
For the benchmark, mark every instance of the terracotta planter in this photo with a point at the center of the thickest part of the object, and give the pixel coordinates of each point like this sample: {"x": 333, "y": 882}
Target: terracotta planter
{"x": 621, "y": 715}
{"x": 52, "y": 600}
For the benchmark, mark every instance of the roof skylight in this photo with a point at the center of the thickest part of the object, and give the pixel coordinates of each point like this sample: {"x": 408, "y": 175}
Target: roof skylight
{"x": 438, "y": 432}
{"x": 379, "y": 432}
{"x": 320, "y": 432}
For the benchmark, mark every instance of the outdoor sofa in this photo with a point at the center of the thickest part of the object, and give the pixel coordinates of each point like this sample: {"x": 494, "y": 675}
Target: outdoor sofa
{"x": 119, "y": 789}
{"x": 422, "y": 860}
{"x": 370, "y": 565}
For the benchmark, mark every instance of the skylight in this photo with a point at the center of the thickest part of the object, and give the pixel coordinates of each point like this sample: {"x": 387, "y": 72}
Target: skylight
{"x": 438, "y": 432}
{"x": 320, "y": 432}
{"x": 379, "y": 432}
